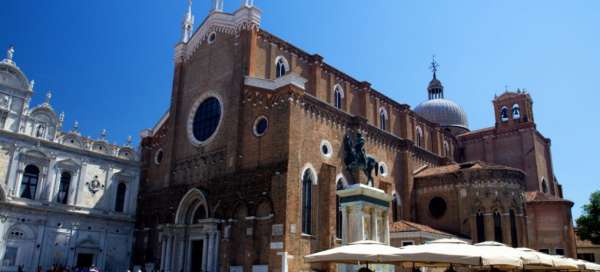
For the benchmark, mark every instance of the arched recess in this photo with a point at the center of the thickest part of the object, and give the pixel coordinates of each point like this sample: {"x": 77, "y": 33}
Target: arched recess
{"x": 264, "y": 220}
{"x": 2, "y": 193}
{"x": 193, "y": 205}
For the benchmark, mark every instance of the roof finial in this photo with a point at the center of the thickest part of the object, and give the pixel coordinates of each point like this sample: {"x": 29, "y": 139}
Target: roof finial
{"x": 61, "y": 117}
{"x": 103, "y": 134}
{"x": 434, "y": 66}
{"x": 76, "y": 126}
{"x": 48, "y": 97}
{"x": 188, "y": 24}
{"x": 217, "y": 6}
{"x": 248, "y": 3}
{"x": 10, "y": 53}
{"x": 129, "y": 140}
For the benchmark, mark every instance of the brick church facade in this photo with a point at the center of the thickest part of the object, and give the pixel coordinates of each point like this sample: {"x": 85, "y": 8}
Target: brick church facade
{"x": 241, "y": 172}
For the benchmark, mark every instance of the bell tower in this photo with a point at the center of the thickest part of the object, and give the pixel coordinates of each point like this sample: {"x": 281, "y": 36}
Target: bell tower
{"x": 513, "y": 110}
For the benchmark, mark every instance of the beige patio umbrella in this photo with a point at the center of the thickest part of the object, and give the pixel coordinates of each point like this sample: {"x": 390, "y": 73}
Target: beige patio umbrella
{"x": 494, "y": 254}
{"x": 591, "y": 266}
{"x": 443, "y": 252}
{"x": 543, "y": 260}
{"x": 563, "y": 263}
{"x": 360, "y": 252}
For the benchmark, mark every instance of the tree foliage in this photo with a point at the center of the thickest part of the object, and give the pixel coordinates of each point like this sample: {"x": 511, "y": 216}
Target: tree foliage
{"x": 588, "y": 224}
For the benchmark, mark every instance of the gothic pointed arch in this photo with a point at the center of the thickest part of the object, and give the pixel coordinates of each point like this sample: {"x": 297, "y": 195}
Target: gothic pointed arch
{"x": 193, "y": 205}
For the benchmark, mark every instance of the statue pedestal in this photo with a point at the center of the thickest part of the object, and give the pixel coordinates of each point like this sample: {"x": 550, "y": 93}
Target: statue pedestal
{"x": 364, "y": 214}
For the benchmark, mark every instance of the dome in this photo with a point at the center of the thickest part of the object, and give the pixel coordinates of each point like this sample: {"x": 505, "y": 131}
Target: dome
{"x": 444, "y": 112}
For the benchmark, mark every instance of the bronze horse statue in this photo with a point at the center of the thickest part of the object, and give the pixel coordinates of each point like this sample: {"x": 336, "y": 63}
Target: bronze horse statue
{"x": 357, "y": 159}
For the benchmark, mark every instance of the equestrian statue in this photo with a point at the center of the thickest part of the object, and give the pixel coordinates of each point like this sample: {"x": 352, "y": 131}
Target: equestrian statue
{"x": 356, "y": 157}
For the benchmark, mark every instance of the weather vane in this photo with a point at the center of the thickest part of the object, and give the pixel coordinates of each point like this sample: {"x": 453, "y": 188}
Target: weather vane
{"x": 434, "y": 65}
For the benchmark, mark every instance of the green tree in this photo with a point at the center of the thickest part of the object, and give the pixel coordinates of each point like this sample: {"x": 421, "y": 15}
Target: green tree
{"x": 588, "y": 224}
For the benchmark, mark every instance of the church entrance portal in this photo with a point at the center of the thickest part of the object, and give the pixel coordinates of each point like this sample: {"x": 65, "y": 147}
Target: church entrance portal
{"x": 197, "y": 255}
{"x": 85, "y": 260}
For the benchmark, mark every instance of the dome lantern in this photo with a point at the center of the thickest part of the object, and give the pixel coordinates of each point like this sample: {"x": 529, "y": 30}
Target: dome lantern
{"x": 439, "y": 110}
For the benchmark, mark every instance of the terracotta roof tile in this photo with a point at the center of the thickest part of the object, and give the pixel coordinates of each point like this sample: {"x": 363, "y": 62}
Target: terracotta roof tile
{"x": 407, "y": 226}
{"x": 455, "y": 167}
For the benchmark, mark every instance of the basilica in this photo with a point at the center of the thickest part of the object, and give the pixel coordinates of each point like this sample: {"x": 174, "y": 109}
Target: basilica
{"x": 249, "y": 167}
{"x": 241, "y": 172}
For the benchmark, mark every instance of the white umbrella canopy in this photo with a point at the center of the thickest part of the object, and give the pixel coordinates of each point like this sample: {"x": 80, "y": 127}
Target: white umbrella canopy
{"x": 355, "y": 253}
{"x": 541, "y": 260}
{"x": 441, "y": 252}
{"x": 498, "y": 255}
{"x": 569, "y": 264}
{"x": 591, "y": 266}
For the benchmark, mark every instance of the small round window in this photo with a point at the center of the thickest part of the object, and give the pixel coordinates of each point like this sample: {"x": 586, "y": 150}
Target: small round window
{"x": 383, "y": 169}
{"x": 437, "y": 207}
{"x": 212, "y": 37}
{"x": 158, "y": 157}
{"x": 326, "y": 149}
{"x": 206, "y": 119}
{"x": 260, "y": 126}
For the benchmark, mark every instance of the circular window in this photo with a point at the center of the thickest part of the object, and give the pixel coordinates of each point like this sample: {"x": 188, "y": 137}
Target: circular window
{"x": 326, "y": 149}
{"x": 260, "y": 126}
{"x": 206, "y": 120}
{"x": 383, "y": 169}
{"x": 212, "y": 37}
{"x": 158, "y": 156}
{"x": 437, "y": 207}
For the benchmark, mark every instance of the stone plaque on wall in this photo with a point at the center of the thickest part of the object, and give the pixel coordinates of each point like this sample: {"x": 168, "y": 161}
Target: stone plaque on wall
{"x": 236, "y": 269}
{"x": 293, "y": 228}
{"x": 260, "y": 268}
{"x": 277, "y": 230}
{"x": 277, "y": 245}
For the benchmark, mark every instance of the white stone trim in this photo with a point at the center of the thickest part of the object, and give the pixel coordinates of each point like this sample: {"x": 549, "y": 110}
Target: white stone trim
{"x": 289, "y": 79}
{"x": 338, "y": 87}
{"x": 326, "y": 143}
{"x": 245, "y": 18}
{"x": 309, "y": 166}
{"x": 256, "y": 123}
{"x": 191, "y": 115}
{"x": 160, "y": 150}
{"x": 342, "y": 178}
{"x": 386, "y": 169}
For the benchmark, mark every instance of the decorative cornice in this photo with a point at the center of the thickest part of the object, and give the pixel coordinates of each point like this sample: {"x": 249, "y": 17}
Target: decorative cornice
{"x": 245, "y": 18}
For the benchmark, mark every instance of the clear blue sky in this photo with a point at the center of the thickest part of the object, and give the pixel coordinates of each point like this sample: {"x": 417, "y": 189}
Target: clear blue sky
{"x": 109, "y": 63}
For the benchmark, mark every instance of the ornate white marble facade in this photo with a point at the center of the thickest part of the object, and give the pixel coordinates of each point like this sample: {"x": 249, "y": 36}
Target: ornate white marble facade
{"x": 64, "y": 198}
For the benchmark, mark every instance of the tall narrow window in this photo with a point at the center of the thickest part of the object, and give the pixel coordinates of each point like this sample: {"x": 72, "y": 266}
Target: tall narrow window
{"x": 446, "y": 149}
{"x": 63, "y": 188}
{"x": 544, "y": 186}
{"x": 338, "y": 211}
{"x": 30, "y": 182}
{"x": 513, "y": 229}
{"x": 504, "y": 114}
{"x": 395, "y": 208}
{"x": 383, "y": 119}
{"x": 120, "y": 201}
{"x": 516, "y": 112}
{"x": 281, "y": 67}
{"x": 338, "y": 96}
{"x": 480, "y": 227}
{"x": 419, "y": 137}
{"x": 497, "y": 226}
{"x": 307, "y": 202}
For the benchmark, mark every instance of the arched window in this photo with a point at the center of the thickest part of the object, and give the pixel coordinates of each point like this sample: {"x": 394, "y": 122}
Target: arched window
{"x": 395, "y": 208}
{"x": 63, "y": 188}
{"x": 199, "y": 214}
{"x": 516, "y": 112}
{"x": 497, "y": 227}
{"x": 504, "y": 114}
{"x": 281, "y": 67}
{"x": 479, "y": 220}
{"x": 419, "y": 137}
{"x": 446, "y": 149}
{"x": 383, "y": 119}
{"x": 30, "y": 182}
{"x": 307, "y": 182}
{"x": 120, "y": 201}
{"x": 544, "y": 186}
{"x": 338, "y": 96}
{"x": 338, "y": 211}
{"x": 513, "y": 229}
